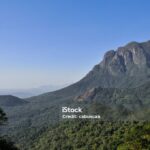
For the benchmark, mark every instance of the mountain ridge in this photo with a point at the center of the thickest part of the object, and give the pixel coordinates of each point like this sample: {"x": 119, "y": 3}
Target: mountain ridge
{"x": 11, "y": 101}
{"x": 113, "y": 71}
{"x": 128, "y": 66}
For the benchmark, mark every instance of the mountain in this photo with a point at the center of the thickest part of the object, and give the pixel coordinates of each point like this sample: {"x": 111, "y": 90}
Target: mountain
{"x": 117, "y": 88}
{"x": 9, "y": 101}
{"x": 128, "y": 66}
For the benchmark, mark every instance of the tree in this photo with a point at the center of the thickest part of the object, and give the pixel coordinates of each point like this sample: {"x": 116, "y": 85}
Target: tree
{"x": 5, "y": 144}
{"x": 3, "y": 117}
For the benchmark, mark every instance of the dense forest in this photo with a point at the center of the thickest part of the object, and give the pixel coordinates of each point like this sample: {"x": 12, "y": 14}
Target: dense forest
{"x": 95, "y": 135}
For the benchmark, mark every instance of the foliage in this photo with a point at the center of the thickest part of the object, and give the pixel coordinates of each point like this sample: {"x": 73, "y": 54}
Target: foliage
{"x": 3, "y": 117}
{"x": 95, "y": 135}
{"x": 5, "y": 144}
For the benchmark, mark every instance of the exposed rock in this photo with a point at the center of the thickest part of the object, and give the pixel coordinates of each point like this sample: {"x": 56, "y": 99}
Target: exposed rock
{"x": 88, "y": 95}
{"x": 118, "y": 68}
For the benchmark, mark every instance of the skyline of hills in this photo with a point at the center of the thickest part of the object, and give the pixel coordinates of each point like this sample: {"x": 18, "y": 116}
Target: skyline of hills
{"x": 25, "y": 93}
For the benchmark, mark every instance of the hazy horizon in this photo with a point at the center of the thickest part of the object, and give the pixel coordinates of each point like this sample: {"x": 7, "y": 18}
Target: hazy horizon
{"x": 29, "y": 92}
{"x": 59, "y": 42}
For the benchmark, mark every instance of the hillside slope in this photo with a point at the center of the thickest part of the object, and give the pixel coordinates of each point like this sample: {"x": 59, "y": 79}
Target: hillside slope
{"x": 95, "y": 135}
{"x": 8, "y": 100}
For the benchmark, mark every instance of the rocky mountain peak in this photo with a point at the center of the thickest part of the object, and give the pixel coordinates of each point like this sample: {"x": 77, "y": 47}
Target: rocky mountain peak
{"x": 126, "y": 66}
{"x": 121, "y": 60}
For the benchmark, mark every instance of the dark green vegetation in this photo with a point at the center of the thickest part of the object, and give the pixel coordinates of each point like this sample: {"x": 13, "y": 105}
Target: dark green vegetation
{"x": 118, "y": 89}
{"x": 3, "y": 117}
{"x": 10, "y": 101}
{"x": 5, "y": 144}
{"x": 95, "y": 135}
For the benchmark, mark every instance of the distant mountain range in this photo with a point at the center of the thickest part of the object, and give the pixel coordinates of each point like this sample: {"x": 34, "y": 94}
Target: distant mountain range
{"x": 24, "y": 93}
{"x": 118, "y": 88}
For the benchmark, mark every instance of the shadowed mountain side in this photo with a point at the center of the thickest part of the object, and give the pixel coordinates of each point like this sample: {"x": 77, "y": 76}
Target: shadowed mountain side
{"x": 8, "y": 100}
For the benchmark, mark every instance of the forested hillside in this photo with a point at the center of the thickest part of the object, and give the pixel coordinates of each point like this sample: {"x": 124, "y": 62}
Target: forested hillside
{"x": 95, "y": 135}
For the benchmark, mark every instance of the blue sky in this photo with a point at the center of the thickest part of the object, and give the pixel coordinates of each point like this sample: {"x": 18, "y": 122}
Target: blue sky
{"x": 58, "y": 41}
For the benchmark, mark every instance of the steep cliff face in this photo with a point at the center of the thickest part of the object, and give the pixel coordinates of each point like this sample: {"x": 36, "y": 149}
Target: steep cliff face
{"x": 121, "y": 60}
{"x": 128, "y": 66}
